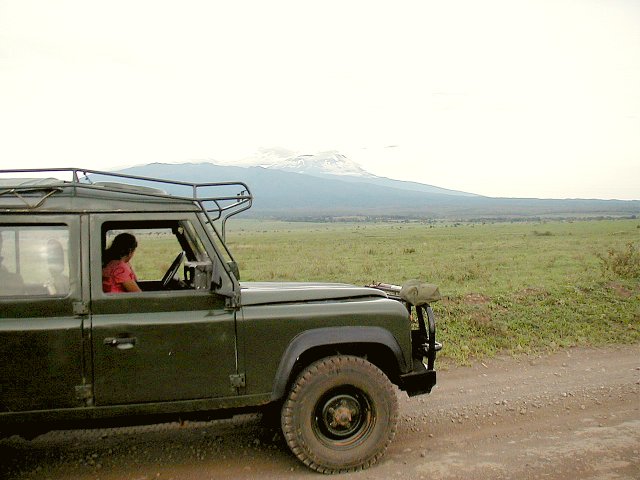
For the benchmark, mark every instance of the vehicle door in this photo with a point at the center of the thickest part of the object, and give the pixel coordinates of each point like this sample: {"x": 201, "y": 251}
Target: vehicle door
{"x": 166, "y": 343}
{"x": 41, "y": 343}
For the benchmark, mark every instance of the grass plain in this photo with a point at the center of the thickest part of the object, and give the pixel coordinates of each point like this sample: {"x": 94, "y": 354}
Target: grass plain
{"x": 507, "y": 287}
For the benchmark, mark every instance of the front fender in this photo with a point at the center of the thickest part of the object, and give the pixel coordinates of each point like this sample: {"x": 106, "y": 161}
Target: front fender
{"x": 332, "y": 336}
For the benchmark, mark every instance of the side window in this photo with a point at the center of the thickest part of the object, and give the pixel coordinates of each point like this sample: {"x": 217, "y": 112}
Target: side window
{"x": 163, "y": 256}
{"x": 34, "y": 260}
{"x": 155, "y": 250}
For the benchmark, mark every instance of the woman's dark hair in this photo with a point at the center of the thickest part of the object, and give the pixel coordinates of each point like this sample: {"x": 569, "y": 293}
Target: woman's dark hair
{"x": 122, "y": 245}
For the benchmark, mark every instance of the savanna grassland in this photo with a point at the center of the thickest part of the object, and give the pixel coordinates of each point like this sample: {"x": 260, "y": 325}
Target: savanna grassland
{"x": 507, "y": 287}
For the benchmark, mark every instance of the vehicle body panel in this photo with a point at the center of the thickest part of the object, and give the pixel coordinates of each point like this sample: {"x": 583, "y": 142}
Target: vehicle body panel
{"x": 265, "y": 331}
{"x": 41, "y": 345}
{"x": 183, "y": 350}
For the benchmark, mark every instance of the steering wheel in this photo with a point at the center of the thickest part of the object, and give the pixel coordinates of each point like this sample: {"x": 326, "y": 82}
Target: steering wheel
{"x": 173, "y": 269}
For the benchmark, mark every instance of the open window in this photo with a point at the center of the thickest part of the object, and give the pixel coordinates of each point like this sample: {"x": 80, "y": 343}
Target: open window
{"x": 169, "y": 254}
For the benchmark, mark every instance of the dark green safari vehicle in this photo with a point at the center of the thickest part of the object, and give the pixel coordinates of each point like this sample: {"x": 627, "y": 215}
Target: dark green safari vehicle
{"x": 196, "y": 342}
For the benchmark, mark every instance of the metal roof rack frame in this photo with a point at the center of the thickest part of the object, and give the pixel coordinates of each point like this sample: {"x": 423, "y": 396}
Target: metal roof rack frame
{"x": 214, "y": 207}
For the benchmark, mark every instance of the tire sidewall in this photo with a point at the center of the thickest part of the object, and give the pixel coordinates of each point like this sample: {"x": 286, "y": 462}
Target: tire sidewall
{"x": 309, "y": 389}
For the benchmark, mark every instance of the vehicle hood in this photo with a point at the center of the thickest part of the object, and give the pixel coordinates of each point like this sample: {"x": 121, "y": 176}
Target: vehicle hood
{"x": 260, "y": 293}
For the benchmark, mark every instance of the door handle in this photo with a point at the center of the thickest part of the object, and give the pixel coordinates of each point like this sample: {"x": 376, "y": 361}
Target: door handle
{"x": 121, "y": 343}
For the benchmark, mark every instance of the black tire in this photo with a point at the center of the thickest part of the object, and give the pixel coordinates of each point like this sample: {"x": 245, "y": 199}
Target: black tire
{"x": 340, "y": 415}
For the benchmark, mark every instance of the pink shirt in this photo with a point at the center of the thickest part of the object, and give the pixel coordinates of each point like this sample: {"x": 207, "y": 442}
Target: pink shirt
{"x": 115, "y": 274}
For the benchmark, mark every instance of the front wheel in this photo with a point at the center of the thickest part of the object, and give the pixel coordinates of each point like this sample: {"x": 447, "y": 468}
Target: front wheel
{"x": 340, "y": 415}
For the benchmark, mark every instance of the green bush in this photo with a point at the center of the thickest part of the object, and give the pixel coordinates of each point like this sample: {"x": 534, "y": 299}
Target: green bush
{"x": 624, "y": 262}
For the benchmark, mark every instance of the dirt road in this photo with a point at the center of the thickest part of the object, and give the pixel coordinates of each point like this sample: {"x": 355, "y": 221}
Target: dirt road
{"x": 574, "y": 414}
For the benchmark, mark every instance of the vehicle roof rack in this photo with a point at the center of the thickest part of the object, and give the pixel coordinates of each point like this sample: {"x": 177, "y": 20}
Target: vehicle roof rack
{"x": 218, "y": 206}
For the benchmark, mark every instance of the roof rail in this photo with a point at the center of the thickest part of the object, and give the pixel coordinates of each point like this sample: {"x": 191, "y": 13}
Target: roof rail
{"x": 218, "y": 206}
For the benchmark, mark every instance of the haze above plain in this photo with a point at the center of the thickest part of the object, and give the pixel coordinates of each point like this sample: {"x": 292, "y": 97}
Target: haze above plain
{"x": 499, "y": 98}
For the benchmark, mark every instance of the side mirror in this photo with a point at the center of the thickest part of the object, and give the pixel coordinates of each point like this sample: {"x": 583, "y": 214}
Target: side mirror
{"x": 233, "y": 268}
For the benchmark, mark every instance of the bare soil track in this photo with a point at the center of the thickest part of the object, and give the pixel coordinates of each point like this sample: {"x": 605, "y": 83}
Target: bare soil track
{"x": 571, "y": 415}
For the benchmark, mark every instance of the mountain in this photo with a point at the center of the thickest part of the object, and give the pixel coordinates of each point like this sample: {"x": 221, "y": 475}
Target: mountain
{"x": 333, "y": 164}
{"x": 285, "y": 194}
{"x": 280, "y": 193}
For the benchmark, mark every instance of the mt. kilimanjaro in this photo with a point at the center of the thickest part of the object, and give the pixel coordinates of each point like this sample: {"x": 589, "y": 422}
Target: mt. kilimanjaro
{"x": 328, "y": 185}
{"x": 333, "y": 165}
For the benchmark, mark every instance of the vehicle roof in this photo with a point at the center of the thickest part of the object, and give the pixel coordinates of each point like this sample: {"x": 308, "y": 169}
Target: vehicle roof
{"x": 57, "y": 197}
{"x": 95, "y": 191}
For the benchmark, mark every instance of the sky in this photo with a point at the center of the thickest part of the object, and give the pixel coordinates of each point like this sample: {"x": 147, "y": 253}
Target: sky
{"x": 505, "y": 98}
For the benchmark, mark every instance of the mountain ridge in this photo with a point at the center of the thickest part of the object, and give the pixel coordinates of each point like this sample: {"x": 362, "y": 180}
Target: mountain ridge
{"x": 282, "y": 194}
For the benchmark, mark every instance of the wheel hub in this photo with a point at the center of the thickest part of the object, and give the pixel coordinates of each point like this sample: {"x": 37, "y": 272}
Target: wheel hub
{"x": 342, "y": 415}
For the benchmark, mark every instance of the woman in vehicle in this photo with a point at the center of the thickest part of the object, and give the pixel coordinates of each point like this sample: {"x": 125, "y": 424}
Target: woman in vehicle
{"x": 117, "y": 274}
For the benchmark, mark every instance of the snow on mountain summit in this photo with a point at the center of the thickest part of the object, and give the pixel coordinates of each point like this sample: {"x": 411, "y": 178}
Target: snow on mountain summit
{"x": 331, "y": 163}
{"x": 318, "y": 164}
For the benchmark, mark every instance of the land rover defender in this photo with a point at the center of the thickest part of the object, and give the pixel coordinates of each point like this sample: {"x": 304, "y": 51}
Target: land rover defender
{"x": 196, "y": 342}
